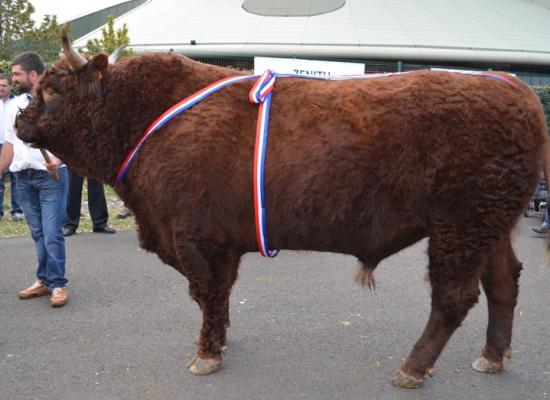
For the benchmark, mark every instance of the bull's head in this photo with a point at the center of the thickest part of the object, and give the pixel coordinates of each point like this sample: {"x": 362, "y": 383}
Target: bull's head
{"x": 90, "y": 113}
{"x": 64, "y": 109}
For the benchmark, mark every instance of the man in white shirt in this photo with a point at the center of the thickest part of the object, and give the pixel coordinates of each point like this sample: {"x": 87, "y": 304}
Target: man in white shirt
{"x": 42, "y": 198}
{"x": 5, "y": 99}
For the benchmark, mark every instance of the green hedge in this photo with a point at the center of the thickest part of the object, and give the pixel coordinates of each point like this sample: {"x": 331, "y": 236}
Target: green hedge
{"x": 544, "y": 94}
{"x": 5, "y": 67}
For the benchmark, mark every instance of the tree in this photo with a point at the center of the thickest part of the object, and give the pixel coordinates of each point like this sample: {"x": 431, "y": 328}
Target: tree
{"x": 15, "y": 22}
{"x": 45, "y": 39}
{"x": 5, "y": 67}
{"x": 111, "y": 39}
{"x": 544, "y": 94}
{"x": 17, "y": 32}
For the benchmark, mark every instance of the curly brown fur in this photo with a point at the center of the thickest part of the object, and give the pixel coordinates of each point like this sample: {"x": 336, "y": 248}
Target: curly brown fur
{"x": 361, "y": 167}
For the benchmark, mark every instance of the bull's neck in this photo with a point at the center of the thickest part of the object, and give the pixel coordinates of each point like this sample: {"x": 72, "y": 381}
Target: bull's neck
{"x": 174, "y": 85}
{"x": 200, "y": 75}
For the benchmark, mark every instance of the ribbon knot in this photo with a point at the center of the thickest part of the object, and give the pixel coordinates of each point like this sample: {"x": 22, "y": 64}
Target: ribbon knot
{"x": 263, "y": 87}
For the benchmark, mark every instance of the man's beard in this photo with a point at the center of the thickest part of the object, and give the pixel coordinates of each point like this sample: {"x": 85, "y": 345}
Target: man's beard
{"x": 25, "y": 87}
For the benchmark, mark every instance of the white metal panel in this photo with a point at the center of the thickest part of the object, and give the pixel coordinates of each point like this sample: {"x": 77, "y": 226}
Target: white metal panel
{"x": 476, "y": 30}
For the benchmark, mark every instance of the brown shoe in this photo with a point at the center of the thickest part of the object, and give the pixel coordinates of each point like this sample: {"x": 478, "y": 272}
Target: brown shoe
{"x": 59, "y": 297}
{"x": 36, "y": 290}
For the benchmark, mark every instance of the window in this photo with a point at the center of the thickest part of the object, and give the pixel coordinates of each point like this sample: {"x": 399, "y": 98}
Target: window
{"x": 292, "y": 8}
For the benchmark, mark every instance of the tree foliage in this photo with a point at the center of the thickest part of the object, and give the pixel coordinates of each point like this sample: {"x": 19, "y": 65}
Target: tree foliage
{"x": 111, "y": 39}
{"x": 45, "y": 39}
{"x": 544, "y": 95}
{"x": 18, "y": 33}
{"x": 5, "y": 67}
{"x": 15, "y": 22}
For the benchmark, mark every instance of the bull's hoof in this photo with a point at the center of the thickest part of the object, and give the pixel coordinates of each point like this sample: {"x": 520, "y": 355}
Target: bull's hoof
{"x": 406, "y": 381}
{"x": 487, "y": 366}
{"x": 204, "y": 366}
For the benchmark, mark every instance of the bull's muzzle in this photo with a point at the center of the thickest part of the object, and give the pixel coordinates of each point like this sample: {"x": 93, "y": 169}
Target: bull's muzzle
{"x": 25, "y": 131}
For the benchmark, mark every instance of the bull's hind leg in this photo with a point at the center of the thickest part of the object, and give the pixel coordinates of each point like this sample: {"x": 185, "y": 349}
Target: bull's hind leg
{"x": 500, "y": 283}
{"x": 454, "y": 271}
{"x": 210, "y": 286}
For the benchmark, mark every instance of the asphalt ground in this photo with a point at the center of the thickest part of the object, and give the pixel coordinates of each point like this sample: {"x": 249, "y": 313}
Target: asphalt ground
{"x": 301, "y": 329}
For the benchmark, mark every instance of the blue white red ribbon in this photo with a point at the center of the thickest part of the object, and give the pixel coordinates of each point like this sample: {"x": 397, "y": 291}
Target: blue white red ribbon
{"x": 261, "y": 94}
{"x": 177, "y": 109}
{"x": 482, "y": 74}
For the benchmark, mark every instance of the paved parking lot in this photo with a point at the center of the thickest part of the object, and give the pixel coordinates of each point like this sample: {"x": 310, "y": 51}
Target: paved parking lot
{"x": 301, "y": 328}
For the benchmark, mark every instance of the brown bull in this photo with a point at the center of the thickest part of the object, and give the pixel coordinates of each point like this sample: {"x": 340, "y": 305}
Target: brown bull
{"x": 361, "y": 167}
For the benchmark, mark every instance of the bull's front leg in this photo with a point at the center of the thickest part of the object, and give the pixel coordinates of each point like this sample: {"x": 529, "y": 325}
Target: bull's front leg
{"x": 210, "y": 282}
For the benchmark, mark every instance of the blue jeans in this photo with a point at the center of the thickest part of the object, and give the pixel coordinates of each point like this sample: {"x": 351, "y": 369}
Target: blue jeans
{"x": 15, "y": 208}
{"x": 44, "y": 200}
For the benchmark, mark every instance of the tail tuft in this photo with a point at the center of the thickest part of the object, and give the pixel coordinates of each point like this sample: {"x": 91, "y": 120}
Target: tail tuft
{"x": 365, "y": 276}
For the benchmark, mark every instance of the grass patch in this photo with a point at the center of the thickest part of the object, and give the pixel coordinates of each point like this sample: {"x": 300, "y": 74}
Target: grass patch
{"x": 9, "y": 228}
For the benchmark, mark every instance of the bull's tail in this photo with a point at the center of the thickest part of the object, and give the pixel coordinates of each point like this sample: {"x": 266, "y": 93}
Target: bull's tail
{"x": 365, "y": 276}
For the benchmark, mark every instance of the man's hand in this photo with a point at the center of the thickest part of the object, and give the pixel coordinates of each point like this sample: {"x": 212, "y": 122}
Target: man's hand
{"x": 52, "y": 164}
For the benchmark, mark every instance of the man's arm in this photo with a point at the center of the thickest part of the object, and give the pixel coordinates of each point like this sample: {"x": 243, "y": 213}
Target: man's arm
{"x": 6, "y": 156}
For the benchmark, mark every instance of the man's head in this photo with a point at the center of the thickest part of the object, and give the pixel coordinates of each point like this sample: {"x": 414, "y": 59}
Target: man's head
{"x": 5, "y": 86}
{"x": 26, "y": 69}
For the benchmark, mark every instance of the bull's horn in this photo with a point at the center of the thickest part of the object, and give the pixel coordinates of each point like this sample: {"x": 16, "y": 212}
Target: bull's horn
{"x": 76, "y": 61}
{"x": 116, "y": 54}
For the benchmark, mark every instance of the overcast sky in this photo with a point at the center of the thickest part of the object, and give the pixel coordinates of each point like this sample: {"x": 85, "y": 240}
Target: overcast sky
{"x": 67, "y": 10}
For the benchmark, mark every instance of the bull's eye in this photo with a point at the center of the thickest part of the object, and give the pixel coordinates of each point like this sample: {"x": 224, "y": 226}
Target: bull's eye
{"x": 49, "y": 94}
{"x": 51, "y": 99}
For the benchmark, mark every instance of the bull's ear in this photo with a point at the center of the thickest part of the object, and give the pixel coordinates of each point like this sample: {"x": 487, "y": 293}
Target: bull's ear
{"x": 98, "y": 66}
{"x": 91, "y": 78}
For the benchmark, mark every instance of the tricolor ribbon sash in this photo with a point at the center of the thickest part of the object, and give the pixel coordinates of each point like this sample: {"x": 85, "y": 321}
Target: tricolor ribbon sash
{"x": 177, "y": 109}
{"x": 259, "y": 94}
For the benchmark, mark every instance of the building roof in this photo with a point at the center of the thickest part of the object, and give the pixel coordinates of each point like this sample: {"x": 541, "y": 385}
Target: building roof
{"x": 292, "y": 8}
{"x": 496, "y": 31}
{"x": 68, "y": 10}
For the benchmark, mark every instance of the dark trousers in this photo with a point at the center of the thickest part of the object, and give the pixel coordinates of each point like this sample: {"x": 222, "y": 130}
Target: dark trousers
{"x": 96, "y": 202}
